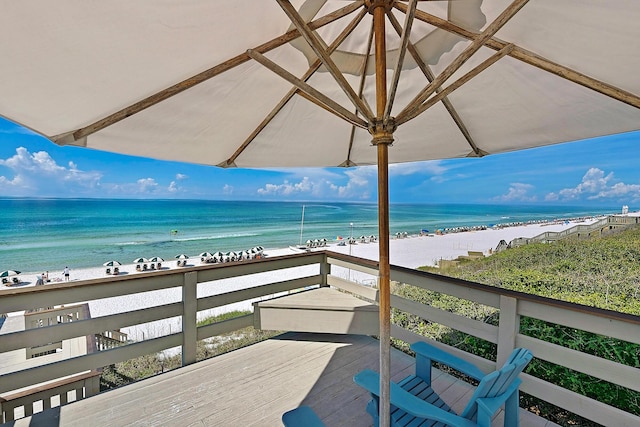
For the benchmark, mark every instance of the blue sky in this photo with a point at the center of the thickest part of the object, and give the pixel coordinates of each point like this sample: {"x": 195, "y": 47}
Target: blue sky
{"x": 597, "y": 172}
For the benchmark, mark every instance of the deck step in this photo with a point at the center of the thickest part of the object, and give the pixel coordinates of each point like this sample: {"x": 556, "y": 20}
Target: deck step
{"x": 320, "y": 310}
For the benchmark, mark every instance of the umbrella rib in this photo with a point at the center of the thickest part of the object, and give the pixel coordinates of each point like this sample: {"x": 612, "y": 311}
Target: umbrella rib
{"x": 532, "y": 59}
{"x": 201, "y": 77}
{"x": 445, "y": 101}
{"x": 308, "y": 92}
{"x": 363, "y": 79}
{"x": 455, "y": 85}
{"x": 404, "y": 37}
{"x": 318, "y": 47}
{"x": 475, "y": 45}
{"x": 312, "y": 69}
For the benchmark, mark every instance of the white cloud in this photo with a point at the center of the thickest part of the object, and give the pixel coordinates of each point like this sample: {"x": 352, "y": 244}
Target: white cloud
{"x": 39, "y": 174}
{"x": 174, "y": 186}
{"x": 227, "y": 189}
{"x": 596, "y": 184}
{"x": 517, "y": 192}
{"x": 432, "y": 167}
{"x": 287, "y": 188}
{"x": 17, "y": 181}
{"x": 146, "y": 185}
{"x": 358, "y": 185}
{"x": 142, "y": 187}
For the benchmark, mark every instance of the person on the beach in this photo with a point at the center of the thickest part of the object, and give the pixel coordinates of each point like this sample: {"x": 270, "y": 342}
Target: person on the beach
{"x": 46, "y": 277}
{"x": 66, "y": 274}
{"x": 39, "y": 280}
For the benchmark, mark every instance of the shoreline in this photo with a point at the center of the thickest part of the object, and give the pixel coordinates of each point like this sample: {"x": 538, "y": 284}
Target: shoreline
{"x": 406, "y": 250}
{"x": 412, "y": 251}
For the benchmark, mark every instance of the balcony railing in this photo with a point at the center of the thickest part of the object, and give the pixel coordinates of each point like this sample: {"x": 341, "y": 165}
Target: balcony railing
{"x": 196, "y": 286}
{"x": 599, "y": 227}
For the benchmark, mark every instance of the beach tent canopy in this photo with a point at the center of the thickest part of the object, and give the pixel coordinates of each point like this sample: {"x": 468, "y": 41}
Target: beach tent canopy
{"x": 273, "y": 83}
{"x": 113, "y": 263}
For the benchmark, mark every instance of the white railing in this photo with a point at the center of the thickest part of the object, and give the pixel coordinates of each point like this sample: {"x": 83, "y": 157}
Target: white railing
{"x": 507, "y": 336}
{"x": 580, "y": 230}
{"x": 302, "y": 271}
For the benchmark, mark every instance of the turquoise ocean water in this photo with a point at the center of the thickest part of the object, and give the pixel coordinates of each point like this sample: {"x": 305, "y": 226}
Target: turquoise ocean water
{"x": 49, "y": 234}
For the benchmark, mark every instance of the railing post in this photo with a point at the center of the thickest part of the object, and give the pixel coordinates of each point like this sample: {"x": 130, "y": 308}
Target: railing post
{"x": 189, "y": 311}
{"x": 508, "y": 328}
{"x": 325, "y": 270}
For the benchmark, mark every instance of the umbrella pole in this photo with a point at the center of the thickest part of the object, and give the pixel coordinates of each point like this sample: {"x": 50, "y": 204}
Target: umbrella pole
{"x": 382, "y": 138}
{"x": 384, "y": 283}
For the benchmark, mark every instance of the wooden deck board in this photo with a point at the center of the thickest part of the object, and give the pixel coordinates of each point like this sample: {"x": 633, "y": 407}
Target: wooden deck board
{"x": 254, "y": 386}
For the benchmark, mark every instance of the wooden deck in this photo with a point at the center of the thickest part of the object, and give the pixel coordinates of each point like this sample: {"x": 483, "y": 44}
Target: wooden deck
{"x": 254, "y": 386}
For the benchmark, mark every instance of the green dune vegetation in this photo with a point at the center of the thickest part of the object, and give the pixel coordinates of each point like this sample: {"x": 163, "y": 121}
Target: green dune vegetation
{"x": 602, "y": 272}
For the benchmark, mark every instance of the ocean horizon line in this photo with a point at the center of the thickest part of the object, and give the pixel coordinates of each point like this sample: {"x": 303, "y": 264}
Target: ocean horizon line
{"x": 598, "y": 207}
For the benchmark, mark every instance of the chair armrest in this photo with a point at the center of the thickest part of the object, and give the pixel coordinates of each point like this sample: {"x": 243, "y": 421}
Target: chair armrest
{"x": 430, "y": 352}
{"x": 370, "y": 381}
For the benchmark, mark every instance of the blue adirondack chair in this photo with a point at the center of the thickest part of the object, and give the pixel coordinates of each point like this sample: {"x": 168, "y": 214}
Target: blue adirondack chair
{"x": 413, "y": 401}
{"x": 302, "y": 416}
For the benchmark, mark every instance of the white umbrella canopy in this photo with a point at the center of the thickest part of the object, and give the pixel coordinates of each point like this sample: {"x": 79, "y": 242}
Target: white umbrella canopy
{"x": 212, "y": 82}
{"x": 67, "y": 76}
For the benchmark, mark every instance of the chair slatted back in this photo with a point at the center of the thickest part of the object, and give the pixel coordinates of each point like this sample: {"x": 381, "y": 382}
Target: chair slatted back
{"x": 497, "y": 382}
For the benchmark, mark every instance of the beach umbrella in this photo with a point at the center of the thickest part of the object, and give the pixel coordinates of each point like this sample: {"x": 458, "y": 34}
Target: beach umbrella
{"x": 182, "y": 256}
{"x": 140, "y": 260}
{"x": 112, "y": 264}
{"x": 9, "y": 273}
{"x": 205, "y": 255}
{"x": 156, "y": 259}
{"x": 442, "y": 79}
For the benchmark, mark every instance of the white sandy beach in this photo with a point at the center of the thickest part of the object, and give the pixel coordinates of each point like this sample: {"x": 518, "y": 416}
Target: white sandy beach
{"x": 412, "y": 251}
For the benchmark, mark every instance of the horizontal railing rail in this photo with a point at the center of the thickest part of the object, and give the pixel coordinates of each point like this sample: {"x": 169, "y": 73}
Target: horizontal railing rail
{"x": 302, "y": 271}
